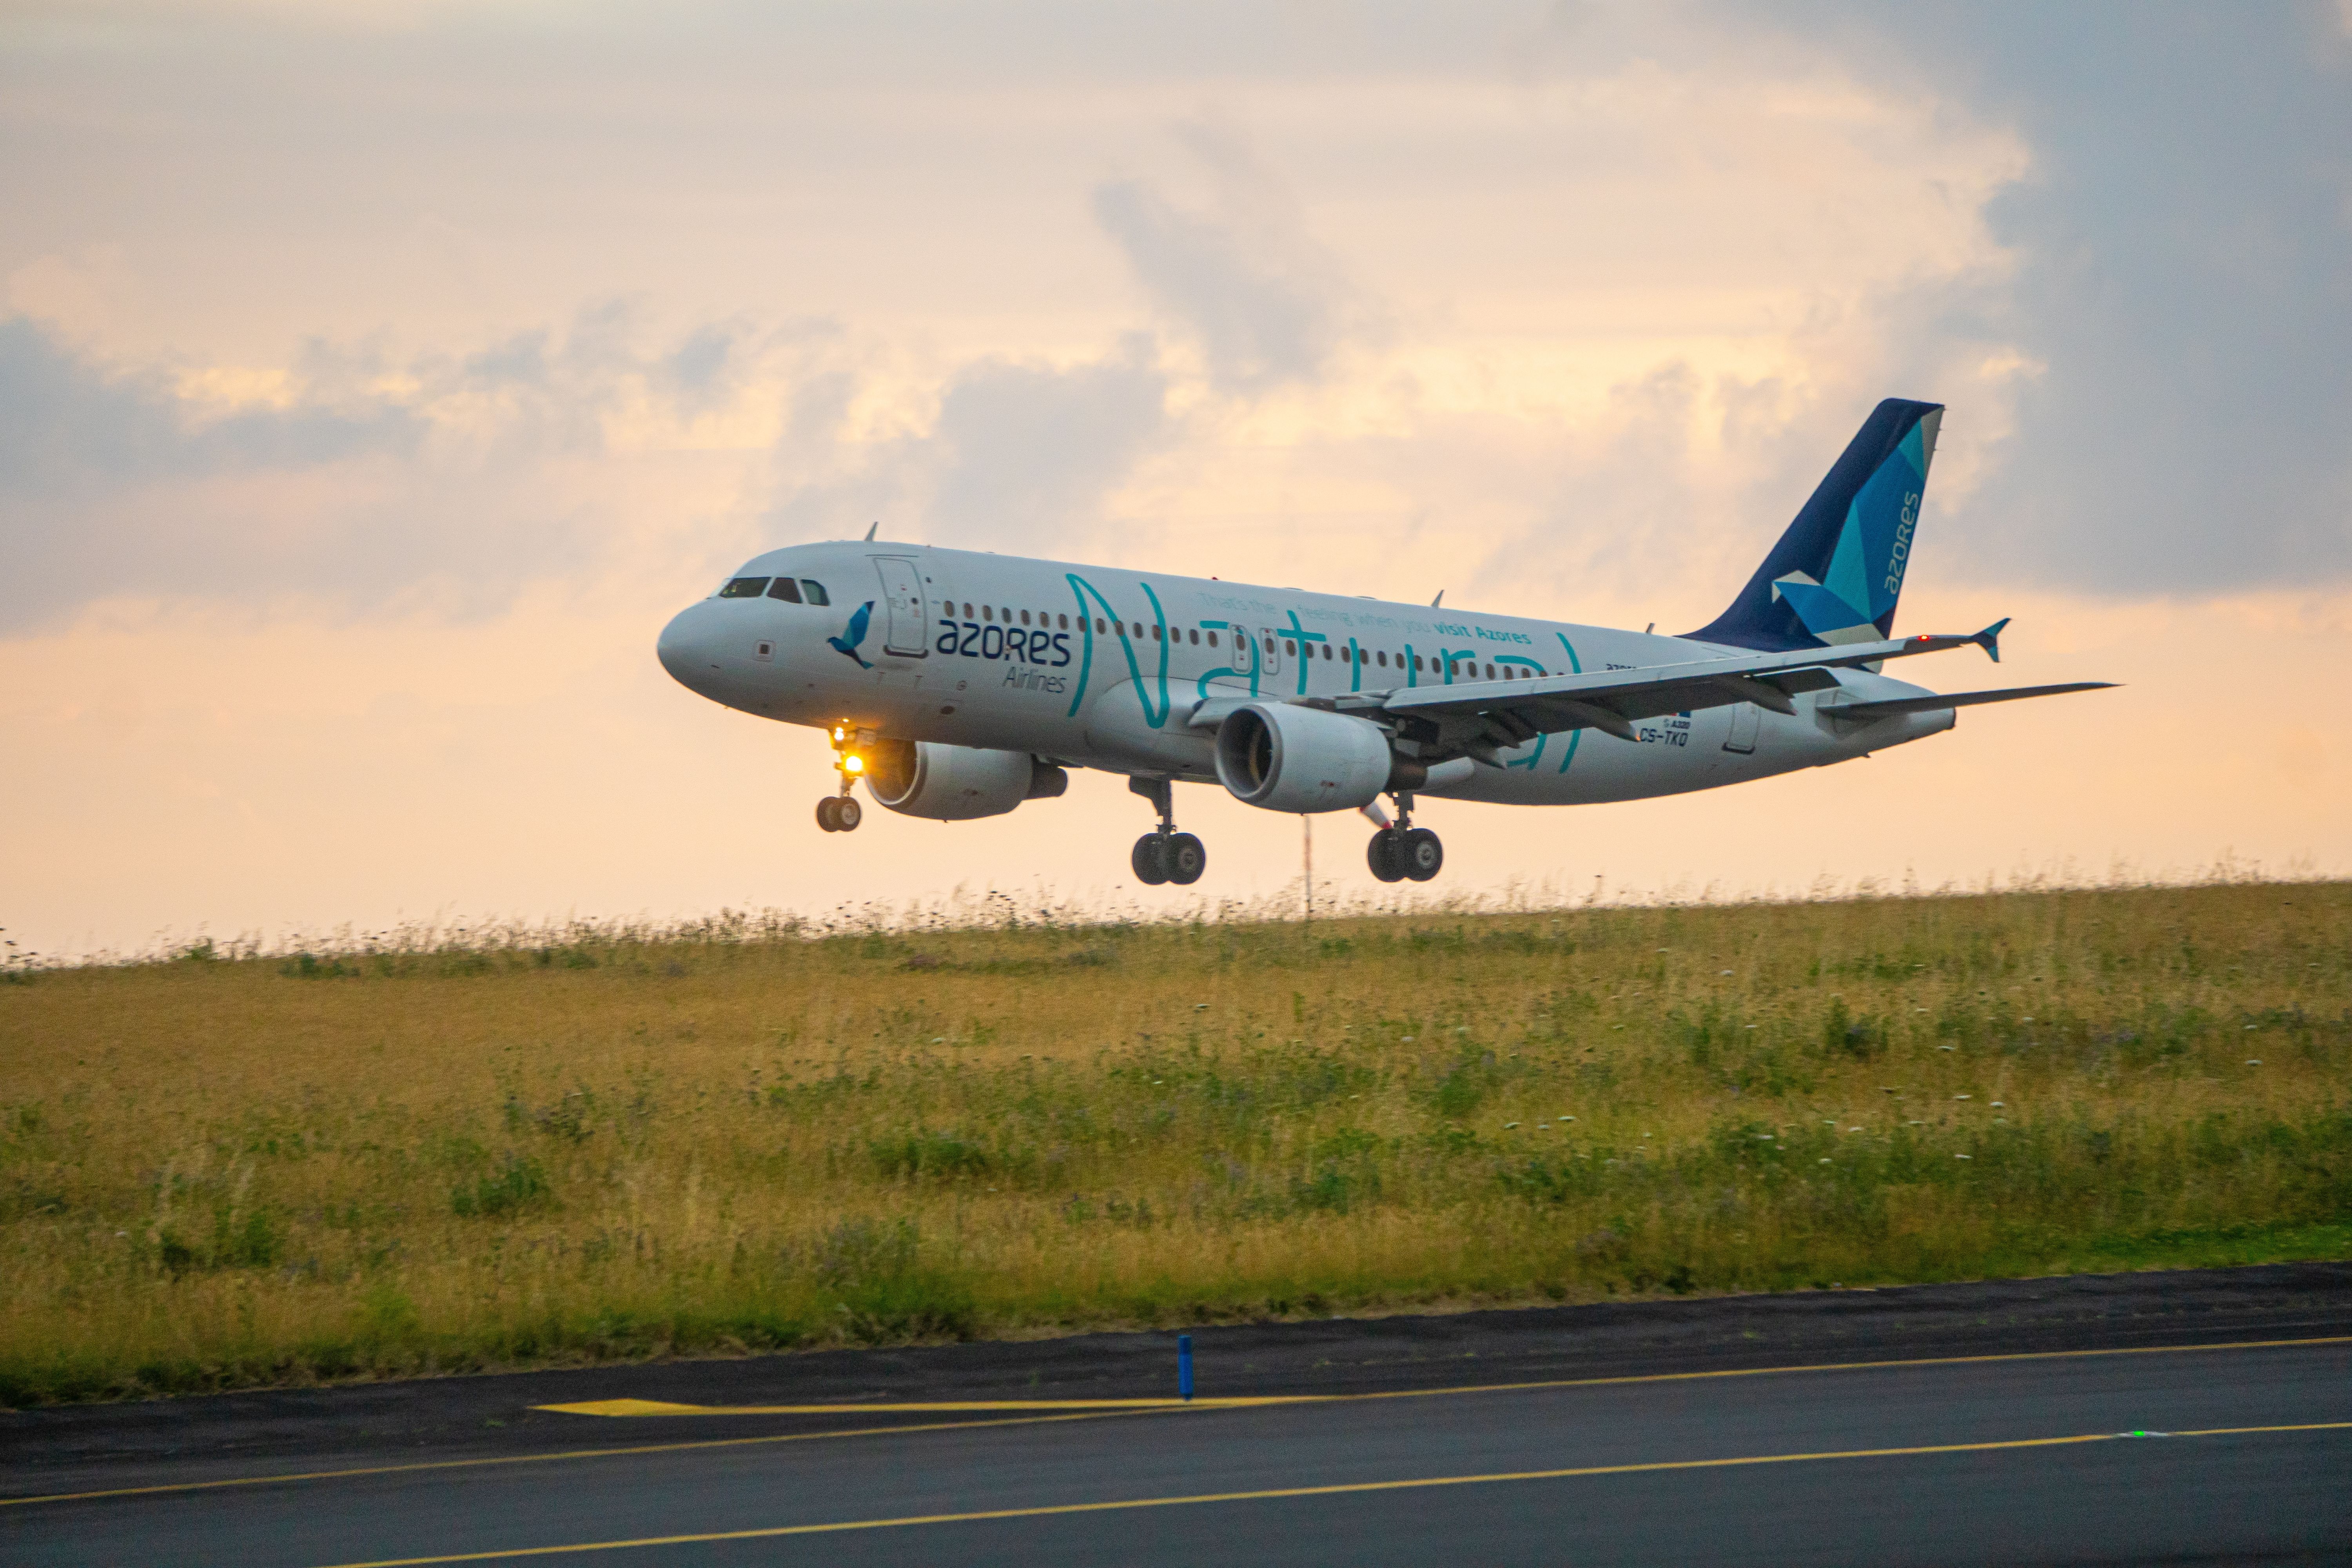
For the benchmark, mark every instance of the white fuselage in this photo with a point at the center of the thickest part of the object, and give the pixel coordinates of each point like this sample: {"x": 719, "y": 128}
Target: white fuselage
{"x": 1101, "y": 667}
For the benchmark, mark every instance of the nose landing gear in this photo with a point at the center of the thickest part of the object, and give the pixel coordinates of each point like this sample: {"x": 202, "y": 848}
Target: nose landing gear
{"x": 841, "y": 813}
{"x": 1165, "y": 855}
{"x": 1403, "y": 850}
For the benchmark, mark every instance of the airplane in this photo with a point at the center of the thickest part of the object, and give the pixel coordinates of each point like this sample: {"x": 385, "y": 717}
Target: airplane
{"x": 959, "y": 684}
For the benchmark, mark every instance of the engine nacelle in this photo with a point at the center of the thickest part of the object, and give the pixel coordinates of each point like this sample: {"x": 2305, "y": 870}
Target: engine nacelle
{"x": 1288, "y": 758}
{"x": 956, "y": 783}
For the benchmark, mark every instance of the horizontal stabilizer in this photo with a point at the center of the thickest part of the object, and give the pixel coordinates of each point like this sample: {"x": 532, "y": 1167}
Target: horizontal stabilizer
{"x": 1956, "y": 699}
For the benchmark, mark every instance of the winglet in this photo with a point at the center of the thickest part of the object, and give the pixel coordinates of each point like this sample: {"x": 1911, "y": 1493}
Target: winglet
{"x": 1989, "y": 639}
{"x": 877, "y": 523}
{"x": 1439, "y": 600}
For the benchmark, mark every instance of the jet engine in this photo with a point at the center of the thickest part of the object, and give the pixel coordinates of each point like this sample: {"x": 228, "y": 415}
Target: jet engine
{"x": 955, "y": 783}
{"x": 1288, "y": 758}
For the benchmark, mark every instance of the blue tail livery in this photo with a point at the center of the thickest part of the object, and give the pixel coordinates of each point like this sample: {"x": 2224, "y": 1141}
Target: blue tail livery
{"x": 1836, "y": 573}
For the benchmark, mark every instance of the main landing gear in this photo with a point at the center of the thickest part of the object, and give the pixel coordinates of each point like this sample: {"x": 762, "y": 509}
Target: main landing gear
{"x": 1166, "y": 855}
{"x": 841, "y": 813}
{"x": 1403, "y": 850}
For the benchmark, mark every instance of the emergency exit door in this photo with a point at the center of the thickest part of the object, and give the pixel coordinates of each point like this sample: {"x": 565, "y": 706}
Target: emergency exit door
{"x": 1269, "y": 651}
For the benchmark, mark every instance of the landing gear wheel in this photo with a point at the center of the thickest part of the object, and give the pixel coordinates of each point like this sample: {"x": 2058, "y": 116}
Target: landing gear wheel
{"x": 1386, "y": 855}
{"x": 1186, "y": 858}
{"x": 846, "y": 812}
{"x": 828, "y": 813}
{"x": 1151, "y": 859}
{"x": 1421, "y": 854}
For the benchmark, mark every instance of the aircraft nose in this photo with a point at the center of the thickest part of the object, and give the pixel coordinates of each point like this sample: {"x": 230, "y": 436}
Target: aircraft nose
{"x": 684, "y": 646}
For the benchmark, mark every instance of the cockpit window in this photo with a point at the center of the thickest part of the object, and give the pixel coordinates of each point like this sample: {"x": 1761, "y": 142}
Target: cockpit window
{"x": 787, "y": 590}
{"x": 816, "y": 590}
{"x": 744, "y": 588}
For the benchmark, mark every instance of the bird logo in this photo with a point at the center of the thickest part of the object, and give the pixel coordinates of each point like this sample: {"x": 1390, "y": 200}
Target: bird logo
{"x": 859, "y": 621}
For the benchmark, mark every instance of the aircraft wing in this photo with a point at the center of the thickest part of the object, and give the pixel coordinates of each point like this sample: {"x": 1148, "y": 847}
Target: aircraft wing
{"x": 1867, "y": 710}
{"x": 1486, "y": 717}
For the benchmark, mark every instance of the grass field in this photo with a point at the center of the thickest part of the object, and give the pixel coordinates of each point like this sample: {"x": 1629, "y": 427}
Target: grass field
{"x": 219, "y": 1172}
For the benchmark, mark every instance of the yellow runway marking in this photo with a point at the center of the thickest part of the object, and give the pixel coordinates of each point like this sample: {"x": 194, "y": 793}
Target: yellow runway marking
{"x": 631, "y": 1408}
{"x": 636, "y": 1448}
{"x": 772, "y": 1533}
{"x": 662, "y": 1407}
{"x": 1844, "y": 1366}
{"x": 1099, "y": 1412}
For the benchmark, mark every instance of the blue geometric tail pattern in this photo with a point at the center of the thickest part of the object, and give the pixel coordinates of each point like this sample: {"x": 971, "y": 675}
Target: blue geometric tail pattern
{"x": 1836, "y": 573}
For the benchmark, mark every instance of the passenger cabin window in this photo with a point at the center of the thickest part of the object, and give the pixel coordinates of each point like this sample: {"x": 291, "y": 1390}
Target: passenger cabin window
{"x": 744, "y": 588}
{"x": 815, "y": 591}
{"x": 1213, "y": 640}
{"x": 787, "y": 590}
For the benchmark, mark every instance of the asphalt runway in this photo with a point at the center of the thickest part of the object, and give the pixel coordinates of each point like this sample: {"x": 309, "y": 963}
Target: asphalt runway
{"x": 2220, "y": 1436}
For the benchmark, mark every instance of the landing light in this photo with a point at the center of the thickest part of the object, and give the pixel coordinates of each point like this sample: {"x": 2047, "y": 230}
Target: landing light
{"x": 853, "y": 765}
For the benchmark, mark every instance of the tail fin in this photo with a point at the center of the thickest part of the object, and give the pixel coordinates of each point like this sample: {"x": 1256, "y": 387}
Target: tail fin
{"x": 1836, "y": 573}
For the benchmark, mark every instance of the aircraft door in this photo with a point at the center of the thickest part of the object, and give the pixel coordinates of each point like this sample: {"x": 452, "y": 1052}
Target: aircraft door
{"x": 909, "y": 629}
{"x": 1743, "y": 727}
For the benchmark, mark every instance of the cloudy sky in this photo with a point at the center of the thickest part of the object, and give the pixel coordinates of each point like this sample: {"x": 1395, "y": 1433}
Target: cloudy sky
{"x": 375, "y": 379}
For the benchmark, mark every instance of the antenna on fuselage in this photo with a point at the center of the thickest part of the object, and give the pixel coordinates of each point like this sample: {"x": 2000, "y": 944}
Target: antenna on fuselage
{"x": 1439, "y": 600}
{"x": 871, "y": 527}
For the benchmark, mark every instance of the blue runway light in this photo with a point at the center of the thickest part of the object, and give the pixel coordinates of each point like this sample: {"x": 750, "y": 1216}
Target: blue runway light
{"x": 1184, "y": 1367}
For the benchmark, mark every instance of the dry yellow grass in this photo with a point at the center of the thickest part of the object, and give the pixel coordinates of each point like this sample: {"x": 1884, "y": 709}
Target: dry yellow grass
{"x": 276, "y": 1169}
